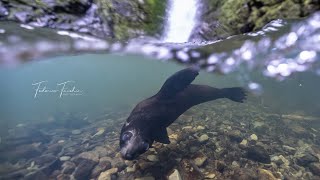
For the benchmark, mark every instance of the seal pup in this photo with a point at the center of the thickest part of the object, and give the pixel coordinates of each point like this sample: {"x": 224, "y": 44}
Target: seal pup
{"x": 150, "y": 118}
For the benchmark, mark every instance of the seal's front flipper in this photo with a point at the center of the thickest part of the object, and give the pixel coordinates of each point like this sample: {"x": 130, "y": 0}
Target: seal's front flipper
{"x": 177, "y": 82}
{"x": 236, "y": 94}
{"x": 161, "y": 136}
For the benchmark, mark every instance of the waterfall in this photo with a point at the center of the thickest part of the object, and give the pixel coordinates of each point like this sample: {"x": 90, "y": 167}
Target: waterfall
{"x": 180, "y": 21}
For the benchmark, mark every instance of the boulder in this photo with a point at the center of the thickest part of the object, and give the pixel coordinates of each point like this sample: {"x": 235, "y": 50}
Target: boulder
{"x": 258, "y": 153}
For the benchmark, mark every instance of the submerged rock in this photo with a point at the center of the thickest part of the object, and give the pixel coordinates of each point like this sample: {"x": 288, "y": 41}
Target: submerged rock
{"x": 50, "y": 167}
{"x": 35, "y": 175}
{"x": 203, "y": 138}
{"x": 199, "y": 161}
{"x": 253, "y": 137}
{"x": 264, "y": 174}
{"x": 43, "y": 171}
{"x": 315, "y": 168}
{"x": 244, "y": 143}
{"x": 68, "y": 167}
{"x": 44, "y": 159}
{"x": 235, "y": 135}
{"x": 90, "y": 155}
{"x": 210, "y": 176}
{"x": 305, "y": 155}
{"x": 145, "y": 178}
{"x": 104, "y": 164}
{"x": 107, "y": 174}
{"x": 83, "y": 169}
{"x": 244, "y": 174}
{"x": 152, "y": 158}
{"x": 175, "y": 175}
{"x": 200, "y": 128}
{"x": 279, "y": 160}
{"x": 289, "y": 149}
{"x": 235, "y": 164}
{"x": 131, "y": 169}
{"x": 20, "y": 152}
{"x": 54, "y": 149}
{"x": 220, "y": 165}
{"x": 63, "y": 177}
{"x": 76, "y": 131}
{"x": 258, "y": 153}
{"x": 99, "y": 133}
{"x": 306, "y": 159}
{"x": 65, "y": 158}
{"x": 189, "y": 170}
{"x": 23, "y": 135}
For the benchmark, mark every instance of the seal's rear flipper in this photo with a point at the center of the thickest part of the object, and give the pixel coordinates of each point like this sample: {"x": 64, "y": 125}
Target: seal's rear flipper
{"x": 236, "y": 94}
{"x": 161, "y": 136}
{"x": 195, "y": 94}
{"x": 177, "y": 82}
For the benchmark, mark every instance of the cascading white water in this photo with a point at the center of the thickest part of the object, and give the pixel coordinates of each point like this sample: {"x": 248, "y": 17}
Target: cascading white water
{"x": 181, "y": 19}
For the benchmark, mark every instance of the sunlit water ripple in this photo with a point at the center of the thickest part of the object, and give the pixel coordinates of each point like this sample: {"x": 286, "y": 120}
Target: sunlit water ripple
{"x": 280, "y": 49}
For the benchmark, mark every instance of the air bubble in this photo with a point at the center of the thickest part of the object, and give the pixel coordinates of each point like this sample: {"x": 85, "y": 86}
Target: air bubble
{"x": 255, "y": 88}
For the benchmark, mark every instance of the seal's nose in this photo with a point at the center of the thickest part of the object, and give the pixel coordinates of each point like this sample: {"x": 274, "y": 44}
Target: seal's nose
{"x": 128, "y": 156}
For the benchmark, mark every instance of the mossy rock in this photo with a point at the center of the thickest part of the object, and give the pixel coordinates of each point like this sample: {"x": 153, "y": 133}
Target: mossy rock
{"x": 234, "y": 15}
{"x": 129, "y": 19}
{"x": 239, "y": 16}
{"x": 230, "y": 17}
{"x": 287, "y": 9}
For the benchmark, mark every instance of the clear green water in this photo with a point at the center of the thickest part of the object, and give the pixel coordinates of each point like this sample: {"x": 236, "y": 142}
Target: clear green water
{"x": 115, "y": 81}
{"x": 107, "y": 81}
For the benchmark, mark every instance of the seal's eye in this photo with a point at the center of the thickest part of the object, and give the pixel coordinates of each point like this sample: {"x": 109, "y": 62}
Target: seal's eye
{"x": 145, "y": 145}
{"x": 126, "y": 136}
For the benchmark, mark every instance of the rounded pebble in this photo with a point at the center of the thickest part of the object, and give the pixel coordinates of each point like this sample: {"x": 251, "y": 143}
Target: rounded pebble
{"x": 203, "y": 138}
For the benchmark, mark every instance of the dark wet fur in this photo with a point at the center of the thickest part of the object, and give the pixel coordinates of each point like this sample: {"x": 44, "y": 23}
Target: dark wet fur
{"x": 151, "y": 116}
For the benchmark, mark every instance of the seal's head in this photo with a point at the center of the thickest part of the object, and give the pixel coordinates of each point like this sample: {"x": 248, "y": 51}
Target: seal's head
{"x": 132, "y": 143}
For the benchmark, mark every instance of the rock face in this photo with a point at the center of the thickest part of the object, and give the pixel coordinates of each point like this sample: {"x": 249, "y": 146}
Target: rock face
{"x": 124, "y": 19}
{"x": 221, "y": 19}
{"x": 74, "y": 15}
{"x": 127, "y": 19}
{"x": 102, "y": 18}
